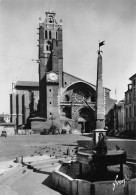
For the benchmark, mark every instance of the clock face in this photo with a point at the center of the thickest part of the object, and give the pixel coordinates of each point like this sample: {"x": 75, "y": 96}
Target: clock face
{"x": 53, "y": 76}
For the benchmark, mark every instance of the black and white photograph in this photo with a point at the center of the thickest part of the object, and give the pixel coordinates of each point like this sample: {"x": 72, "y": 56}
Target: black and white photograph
{"x": 67, "y": 97}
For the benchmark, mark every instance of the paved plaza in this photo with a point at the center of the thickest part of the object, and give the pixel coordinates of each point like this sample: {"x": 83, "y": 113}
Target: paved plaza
{"x": 24, "y": 145}
{"x": 19, "y": 180}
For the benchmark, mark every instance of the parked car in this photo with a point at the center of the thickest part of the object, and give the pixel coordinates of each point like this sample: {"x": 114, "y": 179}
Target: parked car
{"x": 64, "y": 131}
{"x": 4, "y": 134}
{"x": 54, "y": 130}
{"x": 45, "y": 132}
{"x": 21, "y": 127}
{"x": 119, "y": 134}
{"x": 111, "y": 133}
{"x": 126, "y": 134}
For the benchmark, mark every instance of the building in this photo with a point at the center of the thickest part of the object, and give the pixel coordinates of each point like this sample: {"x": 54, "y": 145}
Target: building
{"x": 63, "y": 98}
{"x": 23, "y": 101}
{"x": 5, "y": 118}
{"x": 130, "y": 104}
{"x": 119, "y": 115}
{"x": 8, "y": 127}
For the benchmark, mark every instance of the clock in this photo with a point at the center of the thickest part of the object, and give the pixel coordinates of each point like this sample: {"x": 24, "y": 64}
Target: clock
{"x": 52, "y": 76}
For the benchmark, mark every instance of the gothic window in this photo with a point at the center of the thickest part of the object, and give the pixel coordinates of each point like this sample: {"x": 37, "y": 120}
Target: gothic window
{"x": 46, "y": 34}
{"x": 67, "y": 98}
{"x": 130, "y": 111}
{"x": 134, "y": 82}
{"x": 129, "y": 97}
{"x": 48, "y": 47}
{"x": 50, "y": 18}
{"x": 134, "y": 94}
{"x": 67, "y": 111}
{"x": 134, "y": 110}
{"x": 49, "y": 34}
{"x": 126, "y": 112}
{"x": 93, "y": 98}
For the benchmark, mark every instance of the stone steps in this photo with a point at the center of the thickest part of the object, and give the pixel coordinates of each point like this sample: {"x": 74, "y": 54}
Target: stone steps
{"x": 48, "y": 161}
{"x": 48, "y": 165}
{"x": 47, "y": 168}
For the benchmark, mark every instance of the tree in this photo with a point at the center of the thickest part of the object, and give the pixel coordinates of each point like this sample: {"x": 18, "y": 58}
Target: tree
{"x": 2, "y": 119}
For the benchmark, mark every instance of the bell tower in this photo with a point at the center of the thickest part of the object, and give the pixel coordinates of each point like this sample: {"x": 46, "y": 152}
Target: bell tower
{"x": 50, "y": 64}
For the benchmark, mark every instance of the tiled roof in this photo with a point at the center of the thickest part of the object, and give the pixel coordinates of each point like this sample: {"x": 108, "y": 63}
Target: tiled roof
{"x": 27, "y": 84}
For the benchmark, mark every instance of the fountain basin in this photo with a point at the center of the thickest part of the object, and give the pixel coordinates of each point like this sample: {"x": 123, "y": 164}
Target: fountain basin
{"x": 112, "y": 157}
{"x": 99, "y": 161}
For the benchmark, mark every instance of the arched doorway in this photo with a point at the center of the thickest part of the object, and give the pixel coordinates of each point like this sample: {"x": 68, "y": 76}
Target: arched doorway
{"x": 77, "y": 103}
{"x": 86, "y": 119}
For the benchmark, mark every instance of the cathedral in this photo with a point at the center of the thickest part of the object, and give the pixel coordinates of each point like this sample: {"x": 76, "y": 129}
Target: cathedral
{"x": 59, "y": 98}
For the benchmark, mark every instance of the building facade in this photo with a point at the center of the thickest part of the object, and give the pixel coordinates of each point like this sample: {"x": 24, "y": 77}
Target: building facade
{"x": 23, "y": 101}
{"x": 130, "y": 104}
{"x": 63, "y": 98}
{"x": 5, "y": 118}
{"x": 119, "y": 115}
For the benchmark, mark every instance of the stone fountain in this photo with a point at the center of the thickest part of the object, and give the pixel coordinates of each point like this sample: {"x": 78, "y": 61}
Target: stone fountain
{"x": 99, "y": 157}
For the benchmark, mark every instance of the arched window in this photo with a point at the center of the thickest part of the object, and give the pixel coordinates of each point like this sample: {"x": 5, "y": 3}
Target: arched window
{"x": 46, "y": 34}
{"x": 49, "y": 34}
{"x": 67, "y": 98}
{"x": 47, "y": 48}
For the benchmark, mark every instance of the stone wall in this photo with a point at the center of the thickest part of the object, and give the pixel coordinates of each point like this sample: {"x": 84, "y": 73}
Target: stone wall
{"x": 9, "y": 128}
{"x": 71, "y": 186}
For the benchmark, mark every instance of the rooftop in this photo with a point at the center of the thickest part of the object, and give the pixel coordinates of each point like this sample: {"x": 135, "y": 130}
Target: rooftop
{"x": 26, "y": 84}
{"x": 132, "y": 77}
{"x": 84, "y": 80}
{"x": 36, "y": 84}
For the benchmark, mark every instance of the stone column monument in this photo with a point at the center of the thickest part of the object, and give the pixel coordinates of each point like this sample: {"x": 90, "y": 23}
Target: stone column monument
{"x": 100, "y": 119}
{"x": 99, "y": 133}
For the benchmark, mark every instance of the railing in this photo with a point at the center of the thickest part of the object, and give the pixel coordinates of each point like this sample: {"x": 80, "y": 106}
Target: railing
{"x": 89, "y": 104}
{"x": 73, "y": 103}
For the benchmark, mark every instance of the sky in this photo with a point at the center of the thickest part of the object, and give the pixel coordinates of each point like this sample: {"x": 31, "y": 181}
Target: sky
{"x": 85, "y": 23}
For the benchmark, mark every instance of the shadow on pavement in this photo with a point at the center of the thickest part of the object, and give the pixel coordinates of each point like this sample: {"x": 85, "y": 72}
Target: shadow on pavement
{"x": 48, "y": 182}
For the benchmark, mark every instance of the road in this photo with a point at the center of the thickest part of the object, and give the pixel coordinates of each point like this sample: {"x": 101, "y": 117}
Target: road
{"x": 25, "y": 145}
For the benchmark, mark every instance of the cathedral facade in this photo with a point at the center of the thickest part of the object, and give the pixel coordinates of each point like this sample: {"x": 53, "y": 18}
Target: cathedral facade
{"x": 64, "y": 99}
